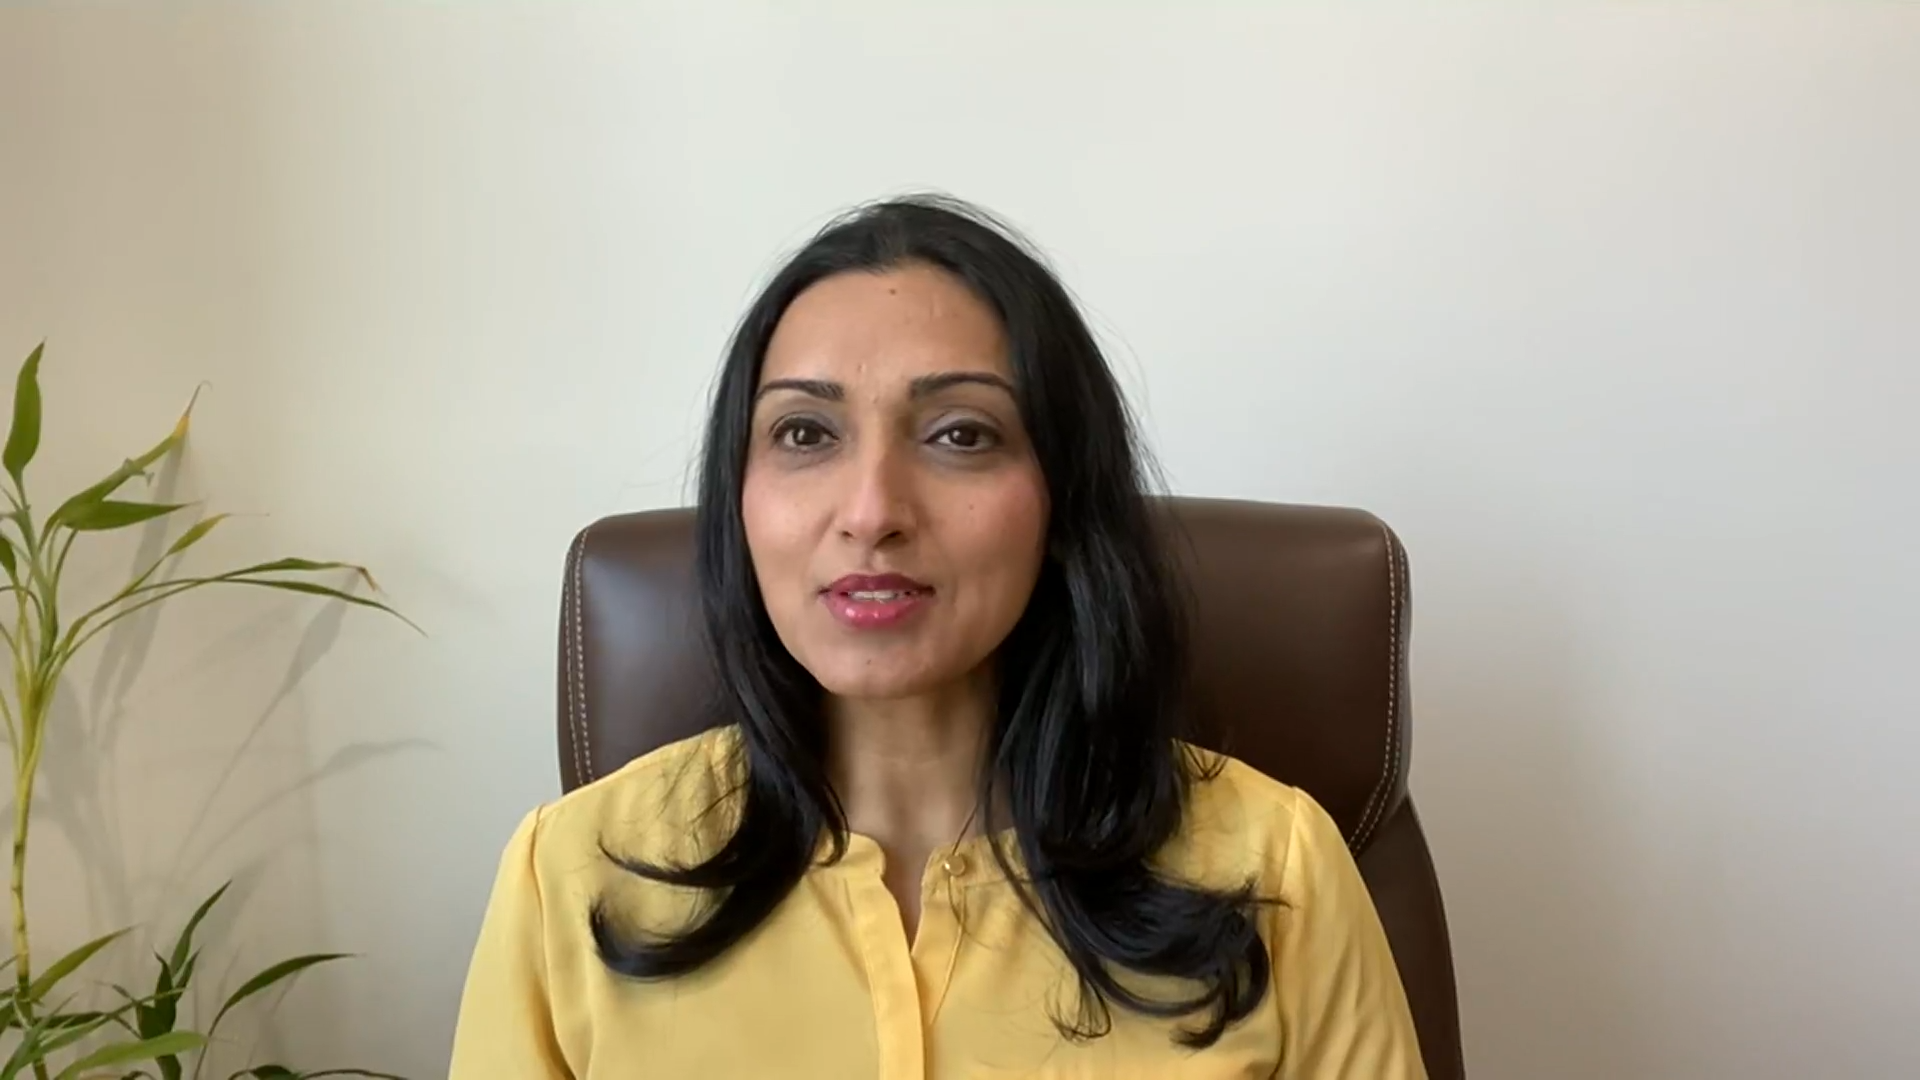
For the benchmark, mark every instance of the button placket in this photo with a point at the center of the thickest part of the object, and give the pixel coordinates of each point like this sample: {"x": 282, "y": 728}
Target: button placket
{"x": 892, "y": 976}
{"x": 936, "y": 949}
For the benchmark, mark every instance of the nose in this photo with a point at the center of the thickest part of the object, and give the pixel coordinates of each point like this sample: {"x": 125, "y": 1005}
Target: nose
{"x": 876, "y": 505}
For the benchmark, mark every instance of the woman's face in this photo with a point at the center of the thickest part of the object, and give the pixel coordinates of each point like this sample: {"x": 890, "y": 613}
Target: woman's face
{"x": 895, "y": 513}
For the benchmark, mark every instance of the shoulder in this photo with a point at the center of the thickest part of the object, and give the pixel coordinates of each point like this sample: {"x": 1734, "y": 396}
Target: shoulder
{"x": 664, "y": 806}
{"x": 1242, "y": 825}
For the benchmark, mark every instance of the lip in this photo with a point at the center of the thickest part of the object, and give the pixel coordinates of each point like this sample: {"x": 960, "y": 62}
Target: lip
{"x": 845, "y": 602}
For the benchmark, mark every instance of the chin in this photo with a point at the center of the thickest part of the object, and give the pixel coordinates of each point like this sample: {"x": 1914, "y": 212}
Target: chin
{"x": 872, "y": 689}
{"x": 876, "y": 680}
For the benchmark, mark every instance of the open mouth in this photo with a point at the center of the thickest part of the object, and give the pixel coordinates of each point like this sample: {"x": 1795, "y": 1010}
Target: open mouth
{"x": 875, "y": 602}
{"x": 875, "y": 596}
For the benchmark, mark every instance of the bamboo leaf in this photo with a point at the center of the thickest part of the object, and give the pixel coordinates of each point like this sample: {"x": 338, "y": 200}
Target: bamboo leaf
{"x": 133, "y": 1005}
{"x": 183, "y": 947}
{"x": 194, "y": 535}
{"x": 128, "y": 469}
{"x": 277, "y": 566}
{"x": 282, "y": 970}
{"x": 155, "y": 1016}
{"x": 48, "y": 1034}
{"x": 138, "y": 585}
{"x": 312, "y": 589}
{"x": 159, "y": 1019}
{"x": 26, "y": 1053}
{"x": 89, "y": 1019}
{"x": 112, "y": 483}
{"x": 303, "y": 566}
{"x": 126, "y": 1053}
{"x": 147, "y": 595}
{"x": 181, "y": 425}
{"x": 67, "y": 965}
{"x": 23, "y": 439}
{"x": 108, "y": 514}
{"x": 58, "y": 1021}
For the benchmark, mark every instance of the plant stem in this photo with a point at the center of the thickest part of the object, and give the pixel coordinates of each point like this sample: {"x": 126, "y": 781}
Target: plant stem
{"x": 32, "y": 692}
{"x": 26, "y": 761}
{"x": 22, "y": 814}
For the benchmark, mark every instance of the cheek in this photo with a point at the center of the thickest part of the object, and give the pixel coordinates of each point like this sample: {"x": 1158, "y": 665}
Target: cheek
{"x": 1008, "y": 536}
{"x": 775, "y": 536}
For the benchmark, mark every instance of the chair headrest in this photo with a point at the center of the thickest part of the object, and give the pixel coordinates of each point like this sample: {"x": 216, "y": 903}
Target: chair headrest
{"x": 1299, "y": 639}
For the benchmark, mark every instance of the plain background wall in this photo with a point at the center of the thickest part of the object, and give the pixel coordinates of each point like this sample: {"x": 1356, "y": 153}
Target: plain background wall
{"x": 1613, "y": 311}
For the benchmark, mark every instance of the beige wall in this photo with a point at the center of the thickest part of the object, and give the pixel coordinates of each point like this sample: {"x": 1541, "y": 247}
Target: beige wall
{"x": 1609, "y": 310}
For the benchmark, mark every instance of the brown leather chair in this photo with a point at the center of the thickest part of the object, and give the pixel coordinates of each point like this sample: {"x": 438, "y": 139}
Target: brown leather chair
{"x": 1300, "y": 645}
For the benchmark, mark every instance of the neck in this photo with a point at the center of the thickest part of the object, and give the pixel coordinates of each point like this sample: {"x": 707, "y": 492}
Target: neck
{"x": 907, "y": 770}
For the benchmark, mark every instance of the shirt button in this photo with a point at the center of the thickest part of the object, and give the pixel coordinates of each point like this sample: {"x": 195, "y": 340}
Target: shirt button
{"x": 955, "y": 864}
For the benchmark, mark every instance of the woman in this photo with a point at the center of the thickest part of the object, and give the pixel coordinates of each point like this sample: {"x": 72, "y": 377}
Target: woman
{"x": 948, "y": 828}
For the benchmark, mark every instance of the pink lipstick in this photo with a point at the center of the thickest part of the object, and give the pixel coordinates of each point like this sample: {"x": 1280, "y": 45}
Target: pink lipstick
{"x": 875, "y": 601}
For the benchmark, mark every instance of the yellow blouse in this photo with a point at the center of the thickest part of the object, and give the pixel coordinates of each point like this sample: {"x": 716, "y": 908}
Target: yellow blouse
{"x": 829, "y": 987}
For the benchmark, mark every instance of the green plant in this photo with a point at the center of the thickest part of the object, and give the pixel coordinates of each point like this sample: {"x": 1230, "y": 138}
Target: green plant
{"x": 42, "y": 642}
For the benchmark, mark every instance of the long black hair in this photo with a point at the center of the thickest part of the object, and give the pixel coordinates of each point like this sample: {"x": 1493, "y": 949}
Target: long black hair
{"x": 1084, "y": 754}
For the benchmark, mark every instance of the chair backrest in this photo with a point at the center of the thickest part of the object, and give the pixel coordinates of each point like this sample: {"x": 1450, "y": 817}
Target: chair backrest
{"x": 1300, "y": 652}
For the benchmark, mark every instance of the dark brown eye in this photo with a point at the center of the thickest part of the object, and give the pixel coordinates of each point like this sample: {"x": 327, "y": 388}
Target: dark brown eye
{"x": 966, "y": 436}
{"x": 800, "y": 433}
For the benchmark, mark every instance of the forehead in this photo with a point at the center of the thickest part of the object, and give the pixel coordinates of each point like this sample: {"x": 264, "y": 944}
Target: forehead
{"x": 870, "y": 328}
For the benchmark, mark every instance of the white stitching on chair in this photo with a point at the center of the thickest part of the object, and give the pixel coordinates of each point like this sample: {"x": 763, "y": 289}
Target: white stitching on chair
{"x": 577, "y": 670}
{"x": 1390, "y": 766}
{"x": 1397, "y": 773}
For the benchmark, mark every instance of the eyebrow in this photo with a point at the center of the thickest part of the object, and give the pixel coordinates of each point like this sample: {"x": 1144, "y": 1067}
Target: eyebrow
{"x": 920, "y": 387}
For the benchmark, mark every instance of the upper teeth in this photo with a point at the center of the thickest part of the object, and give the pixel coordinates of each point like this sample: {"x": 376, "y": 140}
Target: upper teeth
{"x": 877, "y": 594}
